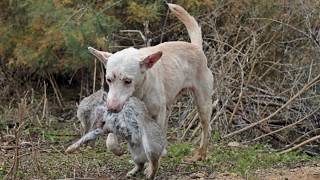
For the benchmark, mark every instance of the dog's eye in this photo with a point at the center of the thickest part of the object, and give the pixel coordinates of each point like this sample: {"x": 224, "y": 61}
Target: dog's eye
{"x": 127, "y": 81}
{"x": 109, "y": 80}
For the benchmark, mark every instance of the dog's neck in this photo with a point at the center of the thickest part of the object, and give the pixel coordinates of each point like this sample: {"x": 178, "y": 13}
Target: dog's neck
{"x": 140, "y": 89}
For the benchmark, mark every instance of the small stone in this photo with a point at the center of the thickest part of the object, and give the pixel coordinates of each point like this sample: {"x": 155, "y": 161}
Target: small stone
{"x": 234, "y": 144}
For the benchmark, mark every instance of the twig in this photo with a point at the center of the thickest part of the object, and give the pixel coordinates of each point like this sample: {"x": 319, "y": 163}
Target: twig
{"x": 195, "y": 132}
{"x": 230, "y": 46}
{"x": 303, "y": 136}
{"x": 190, "y": 125}
{"x": 190, "y": 115}
{"x": 15, "y": 166}
{"x": 219, "y": 112}
{"x": 58, "y": 89}
{"x": 94, "y": 75}
{"x": 81, "y": 85}
{"x": 35, "y": 159}
{"x": 45, "y": 102}
{"x": 74, "y": 14}
{"x": 309, "y": 36}
{"x": 301, "y": 144}
{"x": 286, "y": 127}
{"x": 305, "y": 87}
{"x": 101, "y": 76}
{"x": 111, "y": 6}
{"x": 145, "y": 40}
{"x": 239, "y": 98}
{"x": 147, "y": 33}
{"x": 55, "y": 89}
{"x": 164, "y": 24}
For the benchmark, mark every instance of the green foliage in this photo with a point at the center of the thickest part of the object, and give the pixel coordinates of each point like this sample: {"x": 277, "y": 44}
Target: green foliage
{"x": 178, "y": 151}
{"x": 141, "y": 13}
{"x": 53, "y": 35}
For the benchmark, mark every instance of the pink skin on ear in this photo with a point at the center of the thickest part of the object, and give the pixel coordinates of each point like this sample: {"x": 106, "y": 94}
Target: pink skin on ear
{"x": 149, "y": 61}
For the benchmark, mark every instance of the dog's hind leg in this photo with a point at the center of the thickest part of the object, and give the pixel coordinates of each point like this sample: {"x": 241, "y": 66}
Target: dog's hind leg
{"x": 203, "y": 90}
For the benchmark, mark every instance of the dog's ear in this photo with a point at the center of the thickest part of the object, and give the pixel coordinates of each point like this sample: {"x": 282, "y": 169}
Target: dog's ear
{"x": 101, "y": 55}
{"x": 149, "y": 61}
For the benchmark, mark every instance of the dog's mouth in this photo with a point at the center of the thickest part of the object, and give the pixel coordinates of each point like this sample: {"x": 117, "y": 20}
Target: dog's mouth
{"x": 114, "y": 111}
{"x": 121, "y": 107}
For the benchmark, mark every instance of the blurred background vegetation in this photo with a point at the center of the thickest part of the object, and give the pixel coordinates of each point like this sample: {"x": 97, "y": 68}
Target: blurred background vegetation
{"x": 39, "y": 37}
{"x": 261, "y": 52}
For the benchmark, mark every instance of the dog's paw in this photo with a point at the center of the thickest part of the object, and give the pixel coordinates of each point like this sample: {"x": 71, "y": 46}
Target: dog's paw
{"x": 198, "y": 155}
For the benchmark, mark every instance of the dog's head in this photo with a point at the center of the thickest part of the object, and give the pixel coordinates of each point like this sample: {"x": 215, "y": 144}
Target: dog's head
{"x": 125, "y": 71}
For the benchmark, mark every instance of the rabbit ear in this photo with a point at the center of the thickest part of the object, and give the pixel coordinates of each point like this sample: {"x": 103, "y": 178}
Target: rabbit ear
{"x": 101, "y": 55}
{"x": 104, "y": 97}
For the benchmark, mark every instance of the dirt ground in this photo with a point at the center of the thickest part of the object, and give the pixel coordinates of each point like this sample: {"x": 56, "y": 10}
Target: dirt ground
{"x": 309, "y": 171}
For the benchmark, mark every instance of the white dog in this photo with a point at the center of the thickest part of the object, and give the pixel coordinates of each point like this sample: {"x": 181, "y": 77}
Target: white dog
{"x": 157, "y": 74}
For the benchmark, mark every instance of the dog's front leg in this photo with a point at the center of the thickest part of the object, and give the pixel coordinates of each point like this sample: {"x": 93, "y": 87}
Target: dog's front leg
{"x": 156, "y": 104}
{"x": 162, "y": 118}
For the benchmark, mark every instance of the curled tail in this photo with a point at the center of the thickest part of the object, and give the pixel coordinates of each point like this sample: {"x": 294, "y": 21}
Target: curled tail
{"x": 191, "y": 24}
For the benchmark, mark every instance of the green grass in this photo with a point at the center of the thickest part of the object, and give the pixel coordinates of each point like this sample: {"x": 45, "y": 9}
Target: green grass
{"x": 240, "y": 160}
{"x": 243, "y": 160}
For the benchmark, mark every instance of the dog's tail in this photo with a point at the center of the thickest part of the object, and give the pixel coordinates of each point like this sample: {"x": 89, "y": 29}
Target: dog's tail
{"x": 191, "y": 24}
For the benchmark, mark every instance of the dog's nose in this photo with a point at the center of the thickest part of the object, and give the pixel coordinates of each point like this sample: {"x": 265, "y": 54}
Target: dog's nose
{"x": 114, "y": 105}
{"x": 113, "y": 108}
